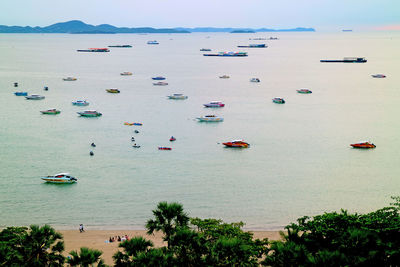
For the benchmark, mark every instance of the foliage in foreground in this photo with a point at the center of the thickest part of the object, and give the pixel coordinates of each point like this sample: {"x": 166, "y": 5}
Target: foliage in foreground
{"x": 330, "y": 239}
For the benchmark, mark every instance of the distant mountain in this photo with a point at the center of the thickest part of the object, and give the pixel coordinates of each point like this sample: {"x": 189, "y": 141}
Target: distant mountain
{"x": 76, "y": 26}
{"x": 211, "y": 29}
{"x": 242, "y": 31}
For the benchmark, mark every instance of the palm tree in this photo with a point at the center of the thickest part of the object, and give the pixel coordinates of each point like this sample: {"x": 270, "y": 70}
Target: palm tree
{"x": 86, "y": 257}
{"x": 43, "y": 246}
{"x": 131, "y": 248}
{"x": 167, "y": 217}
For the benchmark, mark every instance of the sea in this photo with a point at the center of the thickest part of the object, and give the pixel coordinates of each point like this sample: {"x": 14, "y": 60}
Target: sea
{"x": 299, "y": 161}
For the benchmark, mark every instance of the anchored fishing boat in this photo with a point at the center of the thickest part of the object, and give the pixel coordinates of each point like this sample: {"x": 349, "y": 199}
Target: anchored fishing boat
{"x": 224, "y": 77}
{"x": 304, "y": 91}
{"x": 164, "y": 148}
{"x": 113, "y": 91}
{"x": 378, "y": 75}
{"x": 160, "y": 83}
{"x": 126, "y": 73}
{"x": 51, "y": 111}
{"x": 70, "y": 79}
{"x": 254, "y": 80}
{"x": 34, "y": 97}
{"x": 80, "y": 103}
{"x": 89, "y": 113}
{"x": 236, "y": 143}
{"x": 210, "y": 118}
{"x": 278, "y": 100}
{"x": 21, "y": 93}
{"x": 177, "y": 96}
{"x": 214, "y": 104}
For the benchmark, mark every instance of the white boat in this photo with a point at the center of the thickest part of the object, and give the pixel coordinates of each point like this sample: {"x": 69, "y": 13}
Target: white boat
{"x": 34, "y": 97}
{"x": 214, "y": 104}
{"x": 177, "y": 96}
{"x": 69, "y": 79}
{"x": 60, "y": 178}
{"x": 80, "y": 103}
{"x": 210, "y": 118}
{"x": 254, "y": 80}
{"x": 160, "y": 83}
{"x": 378, "y": 75}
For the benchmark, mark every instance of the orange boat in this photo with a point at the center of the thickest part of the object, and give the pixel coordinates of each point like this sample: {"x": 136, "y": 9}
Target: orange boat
{"x": 363, "y": 145}
{"x": 237, "y": 143}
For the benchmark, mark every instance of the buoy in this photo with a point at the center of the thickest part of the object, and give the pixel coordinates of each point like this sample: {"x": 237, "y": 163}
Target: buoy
{"x": 91, "y": 153}
{"x": 93, "y": 145}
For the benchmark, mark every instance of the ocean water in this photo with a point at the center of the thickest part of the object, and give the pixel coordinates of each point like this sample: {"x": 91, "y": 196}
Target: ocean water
{"x": 299, "y": 163}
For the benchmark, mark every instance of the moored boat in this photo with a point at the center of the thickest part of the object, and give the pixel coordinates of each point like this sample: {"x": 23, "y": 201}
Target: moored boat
{"x": 120, "y": 46}
{"x": 34, "y": 97}
{"x": 378, "y": 75}
{"x": 172, "y": 139}
{"x": 254, "y": 46}
{"x": 227, "y": 54}
{"x": 236, "y": 143}
{"x": 60, "y": 178}
{"x": 21, "y": 93}
{"x": 210, "y": 118}
{"x": 254, "y": 80}
{"x": 278, "y": 100}
{"x": 205, "y": 49}
{"x": 304, "y": 91}
{"x": 214, "y": 104}
{"x": 364, "y": 144}
{"x": 94, "y": 50}
{"x": 133, "y": 123}
{"x": 224, "y": 77}
{"x": 346, "y": 60}
{"x": 160, "y": 83}
{"x": 113, "y": 91}
{"x": 126, "y": 73}
{"x": 177, "y": 96}
{"x": 89, "y": 113}
{"x": 153, "y": 42}
{"x": 51, "y": 111}
{"x": 158, "y": 78}
{"x": 164, "y": 148}
{"x": 80, "y": 103}
{"x": 69, "y": 79}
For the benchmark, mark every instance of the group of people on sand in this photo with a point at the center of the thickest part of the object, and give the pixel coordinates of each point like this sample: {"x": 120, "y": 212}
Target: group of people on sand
{"x": 118, "y": 238}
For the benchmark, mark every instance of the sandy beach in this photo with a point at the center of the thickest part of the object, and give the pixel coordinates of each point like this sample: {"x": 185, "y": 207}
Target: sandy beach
{"x": 98, "y": 239}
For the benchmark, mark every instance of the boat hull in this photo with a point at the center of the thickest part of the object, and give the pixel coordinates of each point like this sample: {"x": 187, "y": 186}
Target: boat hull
{"x": 58, "y": 181}
{"x": 89, "y": 115}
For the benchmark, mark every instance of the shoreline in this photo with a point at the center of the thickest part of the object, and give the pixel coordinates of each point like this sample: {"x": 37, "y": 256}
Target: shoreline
{"x": 98, "y": 239}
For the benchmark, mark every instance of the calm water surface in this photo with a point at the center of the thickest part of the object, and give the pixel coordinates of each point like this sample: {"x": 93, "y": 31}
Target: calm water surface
{"x": 299, "y": 162}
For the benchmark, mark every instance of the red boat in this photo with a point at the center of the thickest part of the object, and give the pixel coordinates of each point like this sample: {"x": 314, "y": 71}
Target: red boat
{"x": 363, "y": 145}
{"x": 237, "y": 143}
{"x": 164, "y": 148}
{"x": 172, "y": 139}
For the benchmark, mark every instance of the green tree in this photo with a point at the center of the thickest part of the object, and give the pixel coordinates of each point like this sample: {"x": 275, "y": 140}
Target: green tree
{"x": 86, "y": 257}
{"x": 43, "y": 246}
{"x": 167, "y": 217}
{"x": 131, "y": 249}
{"x": 11, "y": 246}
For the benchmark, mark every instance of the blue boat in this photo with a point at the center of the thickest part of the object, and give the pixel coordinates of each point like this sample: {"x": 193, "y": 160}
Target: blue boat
{"x": 153, "y": 42}
{"x": 21, "y": 93}
{"x": 158, "y": 78}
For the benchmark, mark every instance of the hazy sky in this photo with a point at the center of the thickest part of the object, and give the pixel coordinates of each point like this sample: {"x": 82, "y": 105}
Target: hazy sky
{"x": 218, "y": 13}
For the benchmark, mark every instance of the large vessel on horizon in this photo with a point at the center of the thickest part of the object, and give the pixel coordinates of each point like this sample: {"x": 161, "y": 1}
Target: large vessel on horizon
{"x": 227, "y": 54}
{"x": 346, "y": 60}
{"x": 94, "y": 50}
{"x": 254, "y": 46}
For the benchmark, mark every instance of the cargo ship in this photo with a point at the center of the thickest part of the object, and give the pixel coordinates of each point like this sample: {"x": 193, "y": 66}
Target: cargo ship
{"x": 121, "y": 46}
{"x": 94, "y": 50}
{"x": 227, "y": 54}
{"x": 346, "y": 60}
{"x": 254, "y": 46}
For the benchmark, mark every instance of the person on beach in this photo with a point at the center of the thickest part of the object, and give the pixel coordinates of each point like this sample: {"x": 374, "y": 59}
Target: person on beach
{"x": 81, "y": 228}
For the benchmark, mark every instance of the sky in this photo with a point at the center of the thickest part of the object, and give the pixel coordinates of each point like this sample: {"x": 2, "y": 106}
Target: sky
{"x": 319, "y": 14}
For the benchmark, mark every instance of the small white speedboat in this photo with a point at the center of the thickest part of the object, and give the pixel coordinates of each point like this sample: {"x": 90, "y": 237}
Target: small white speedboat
{"x": 60, "y": 178}
{"x": 210, "y": 118}
{"x": 178, "y": 96}
{"x": 34, "y": 97}
{"x": 254, "y": 80}
{"x": 80, "y": 103}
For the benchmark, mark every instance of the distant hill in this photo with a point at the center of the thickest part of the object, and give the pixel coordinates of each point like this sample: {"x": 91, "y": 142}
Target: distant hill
{"x": 211, "y": 29}
{"x": 79, "y": 27}
{"x": 76, "y": 26}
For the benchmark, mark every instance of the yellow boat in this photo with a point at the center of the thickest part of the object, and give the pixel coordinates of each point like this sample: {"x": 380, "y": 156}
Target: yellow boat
{"x": 113, "y": 91}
